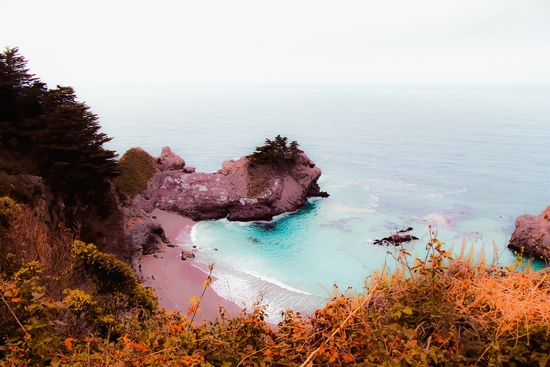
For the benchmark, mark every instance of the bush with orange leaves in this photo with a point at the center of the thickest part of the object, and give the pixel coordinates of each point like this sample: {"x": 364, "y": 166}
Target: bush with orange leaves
{"x": 436, "y": 311}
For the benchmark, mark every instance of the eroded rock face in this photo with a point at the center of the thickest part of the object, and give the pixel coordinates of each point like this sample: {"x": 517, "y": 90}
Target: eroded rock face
{"x": 145, "y": 231}
{"x": 238, "y": 191}
{"x": 531, "y": 236}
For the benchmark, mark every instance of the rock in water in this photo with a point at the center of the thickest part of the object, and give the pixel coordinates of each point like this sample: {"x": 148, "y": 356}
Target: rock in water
{"x": 239, "y": 190}
{"x": 531, "y": 236}
{"x": 395, "y": 239}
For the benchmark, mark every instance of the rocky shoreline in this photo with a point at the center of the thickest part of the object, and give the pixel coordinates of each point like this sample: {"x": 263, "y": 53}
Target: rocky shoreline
{"x": 239, "y": 191}
{"x": 242, "y": 191}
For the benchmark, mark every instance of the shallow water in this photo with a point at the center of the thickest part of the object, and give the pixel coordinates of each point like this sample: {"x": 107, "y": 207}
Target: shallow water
{"x": 466, "y": 161}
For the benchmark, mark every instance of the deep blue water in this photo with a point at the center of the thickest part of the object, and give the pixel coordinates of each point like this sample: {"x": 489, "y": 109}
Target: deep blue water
{"x": 467, "y": 161}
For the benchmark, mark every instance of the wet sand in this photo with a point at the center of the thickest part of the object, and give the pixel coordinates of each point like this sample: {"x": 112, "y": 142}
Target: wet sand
{"x": 176, "y": 281}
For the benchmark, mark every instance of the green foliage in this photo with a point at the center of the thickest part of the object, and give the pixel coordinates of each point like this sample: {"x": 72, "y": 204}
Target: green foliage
{"x": 29, "y": 318}
{"x": 72, "y": 158}
{"x": 136, "y": 168}
{"x": 30, "y": 270}
{"x": 21, "y": 95}
{"x": 117, "y": 290}
{"x": 8, "y": 210}
{"x": 275, "y": 152}
{"x": 79, "y": 301}
{"x": 51, "y": 134}
{"x": 108, "y": 273}
{"x": 112, "y": 276}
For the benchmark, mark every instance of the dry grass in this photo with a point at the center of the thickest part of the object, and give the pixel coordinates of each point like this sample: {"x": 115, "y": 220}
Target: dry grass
{"x": 28, "y": 239}
{"x": 436, "y": 311}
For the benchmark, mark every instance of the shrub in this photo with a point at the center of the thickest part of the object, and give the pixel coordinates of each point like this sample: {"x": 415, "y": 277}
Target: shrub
{"x": 8, "y": 210}
{"x": 436, "y": 311}
{"x": 29, "y": 319}
{"x": 136, "y": 168}
{"x": 116, "y": 290}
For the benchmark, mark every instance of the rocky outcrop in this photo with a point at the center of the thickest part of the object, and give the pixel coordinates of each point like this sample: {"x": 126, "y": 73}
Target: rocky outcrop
{"x": 531, "y": 236}
{"x": 187, "y": 255}
{"x": 239, "y": 190}
{"x": 169, "y": 161}
{"x": 106, "y": 228}
{"x": 144, "y": 231}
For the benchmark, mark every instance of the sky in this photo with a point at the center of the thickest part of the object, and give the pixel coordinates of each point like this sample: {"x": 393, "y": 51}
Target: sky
{"x": 210, "y": 42}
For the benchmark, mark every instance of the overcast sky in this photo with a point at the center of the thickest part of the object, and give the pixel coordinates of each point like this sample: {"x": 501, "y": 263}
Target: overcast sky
{"x": 113, "y": 42}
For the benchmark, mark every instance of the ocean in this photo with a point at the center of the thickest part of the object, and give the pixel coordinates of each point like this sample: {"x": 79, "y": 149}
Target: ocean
{"x": 467, "y": 161}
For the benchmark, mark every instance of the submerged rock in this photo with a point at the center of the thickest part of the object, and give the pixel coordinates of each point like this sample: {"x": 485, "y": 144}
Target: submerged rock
{"x": 531, "y": 236}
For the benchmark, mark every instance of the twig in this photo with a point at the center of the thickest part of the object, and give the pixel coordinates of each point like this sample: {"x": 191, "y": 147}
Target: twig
{"x": 13, "y": 313}
{"x": 206, "y": 285}
{"x": 251, "y": 354}
{"x": 367, "y": 298}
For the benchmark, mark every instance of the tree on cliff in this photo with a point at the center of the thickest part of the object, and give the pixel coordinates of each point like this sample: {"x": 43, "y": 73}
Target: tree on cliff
{"x": 72, "y": 157}
{"x": 49, "y": 133}
{"x": 275, "y": 152}
{"x": 21, "y": 102}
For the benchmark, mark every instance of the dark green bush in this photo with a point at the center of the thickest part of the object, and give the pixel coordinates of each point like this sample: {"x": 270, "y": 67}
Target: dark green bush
{"x": 275, "y": 152}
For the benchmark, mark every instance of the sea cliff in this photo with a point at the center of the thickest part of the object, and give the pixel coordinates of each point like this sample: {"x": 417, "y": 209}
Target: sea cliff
{"x": 239, "y": 191}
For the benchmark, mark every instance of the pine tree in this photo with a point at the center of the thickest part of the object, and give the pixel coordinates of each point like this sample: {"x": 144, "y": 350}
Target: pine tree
{"x": 275, "y": 152}
{"x": 72, "y": 157}
{"x": 58, "y": 136}
{"x": 21, "y": 102}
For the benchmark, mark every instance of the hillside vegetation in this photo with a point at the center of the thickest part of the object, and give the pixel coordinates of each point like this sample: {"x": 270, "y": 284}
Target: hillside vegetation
{"x": 90, "y": 310}
{"x": 63, "y": 302}
{"x": 136, "y": 168}
{"x": 52, "y": 155}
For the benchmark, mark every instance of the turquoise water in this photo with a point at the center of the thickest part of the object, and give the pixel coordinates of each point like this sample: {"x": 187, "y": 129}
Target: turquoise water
{"x": 466, "y": 161}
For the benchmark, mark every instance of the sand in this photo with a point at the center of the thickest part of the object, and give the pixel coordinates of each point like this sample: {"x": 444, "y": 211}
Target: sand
{"x": 176, "y": 281}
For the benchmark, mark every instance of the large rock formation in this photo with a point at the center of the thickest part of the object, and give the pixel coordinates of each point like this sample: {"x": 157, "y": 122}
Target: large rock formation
{"x": 531, "y": 236}
{"x": 239, "y": 190}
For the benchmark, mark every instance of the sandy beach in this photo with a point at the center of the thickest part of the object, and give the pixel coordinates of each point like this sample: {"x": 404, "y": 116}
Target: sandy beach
{"x": 176, "y": 281}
